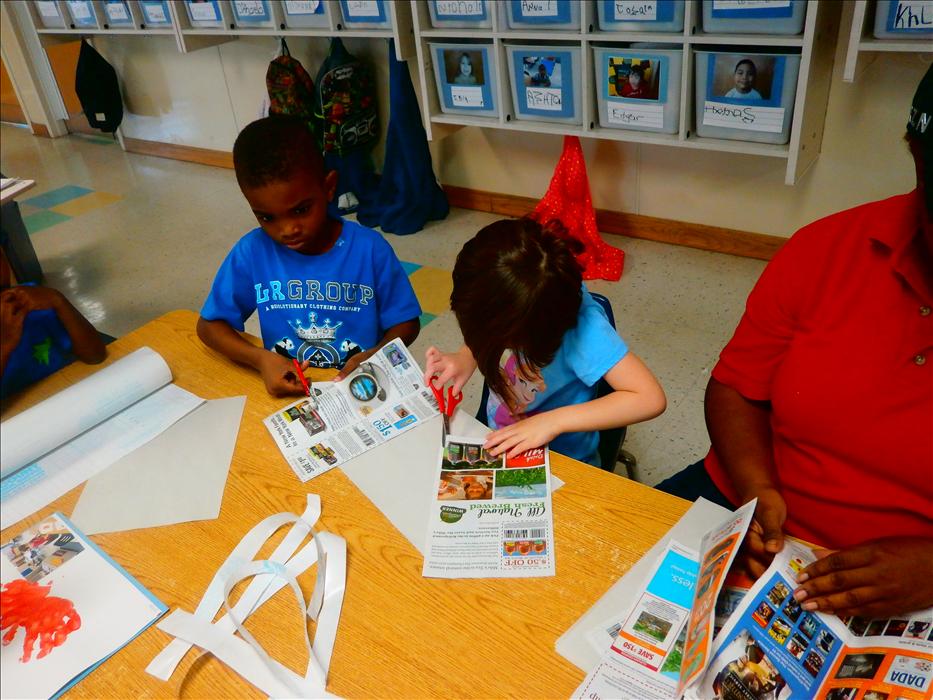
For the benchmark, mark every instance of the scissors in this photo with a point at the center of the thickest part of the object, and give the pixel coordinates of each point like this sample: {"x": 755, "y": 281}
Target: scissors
{"x": 446, "y": 407}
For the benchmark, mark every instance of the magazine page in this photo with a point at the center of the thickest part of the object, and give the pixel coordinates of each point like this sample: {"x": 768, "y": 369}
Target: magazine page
{"x": 772, "y": 648}
{"x": 384, "y": 397}
{"x": 491, "y": 516}
{"x": 66, "y": 607}
{"x": 645, "y": 656}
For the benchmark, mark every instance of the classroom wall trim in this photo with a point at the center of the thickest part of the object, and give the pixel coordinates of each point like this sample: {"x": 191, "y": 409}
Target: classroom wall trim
{"x": 40, "y": 130}
{"x": 190, "y": 154}
{"x": 713, "y": 238}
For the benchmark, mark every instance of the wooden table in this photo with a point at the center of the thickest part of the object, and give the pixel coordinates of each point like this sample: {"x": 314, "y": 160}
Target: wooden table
{"x": 15, "y": 189}
{"x": 400, "y": 635}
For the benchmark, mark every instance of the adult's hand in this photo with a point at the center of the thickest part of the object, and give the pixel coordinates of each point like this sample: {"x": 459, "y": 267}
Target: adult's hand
{"x": 877, "y": 579}
{"x": 765, "y": 536}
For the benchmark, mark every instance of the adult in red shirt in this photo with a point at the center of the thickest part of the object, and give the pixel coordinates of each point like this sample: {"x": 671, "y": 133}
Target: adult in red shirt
{"x": 821, "y": 405}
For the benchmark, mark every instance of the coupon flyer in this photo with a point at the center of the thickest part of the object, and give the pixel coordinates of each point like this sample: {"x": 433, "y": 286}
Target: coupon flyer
{"x": 491, "y": 516}
{"x": 384, "y": 397}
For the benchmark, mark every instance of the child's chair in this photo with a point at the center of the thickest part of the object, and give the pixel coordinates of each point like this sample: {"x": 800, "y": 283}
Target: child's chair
{"x": 610, "y": 440}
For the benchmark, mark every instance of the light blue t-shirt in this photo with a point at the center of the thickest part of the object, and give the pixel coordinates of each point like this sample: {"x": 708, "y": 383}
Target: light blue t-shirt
{"x": 323, "y": 308}
{"x": 752, "y": 94}
{"x": 586, "y": 354}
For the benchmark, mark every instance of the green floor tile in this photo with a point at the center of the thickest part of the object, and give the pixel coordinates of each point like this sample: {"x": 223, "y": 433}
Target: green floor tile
{"x": 426, "y": 318}
{"x": 43, "y": 220}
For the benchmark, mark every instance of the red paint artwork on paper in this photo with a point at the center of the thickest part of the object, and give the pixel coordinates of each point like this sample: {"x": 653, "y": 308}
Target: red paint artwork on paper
{"x": 44, "y": 617}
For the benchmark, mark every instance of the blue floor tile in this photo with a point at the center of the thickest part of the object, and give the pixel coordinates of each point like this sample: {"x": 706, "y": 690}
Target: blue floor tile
{"x": 58, "y": 196}
{"x": 42, "y": 220}
{"x": 410, "y": 267}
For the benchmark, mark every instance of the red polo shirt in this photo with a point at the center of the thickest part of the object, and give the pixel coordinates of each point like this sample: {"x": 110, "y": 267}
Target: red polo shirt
{"x": 838, "y": 336}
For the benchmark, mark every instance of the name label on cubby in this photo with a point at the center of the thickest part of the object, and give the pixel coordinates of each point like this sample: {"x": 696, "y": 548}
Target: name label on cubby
{"x": 47, "y": 8}
{"x": 544, "y": 98}
{"x": 302, "y": 7}
{"x": 462, "y": 96}
{"x": 203, "y": 12}
{"x": 770, "y": 119}
{"x": 648, "y": 115}
{"x": 116, "y": 11}
{"x": 913, "y": 14}
{"x": 539, "y": 8}
{"x": 363, "y": 8}
{"x": 459, "y": 8}
{"x": 749, "y": 4}
{"x": 635, "y": 10}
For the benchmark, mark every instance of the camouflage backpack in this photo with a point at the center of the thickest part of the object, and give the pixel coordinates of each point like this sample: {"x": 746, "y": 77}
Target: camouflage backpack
{"x": 291, "y": 90}
{"x": 345, "y": 102}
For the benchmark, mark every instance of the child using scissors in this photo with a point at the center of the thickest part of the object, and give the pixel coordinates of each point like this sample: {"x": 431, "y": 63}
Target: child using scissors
{"x": 542, "y": 343}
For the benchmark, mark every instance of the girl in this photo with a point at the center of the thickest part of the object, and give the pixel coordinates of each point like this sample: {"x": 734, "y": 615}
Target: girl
{"x": 465, "y": 76}
{"x": 542, "y": 343}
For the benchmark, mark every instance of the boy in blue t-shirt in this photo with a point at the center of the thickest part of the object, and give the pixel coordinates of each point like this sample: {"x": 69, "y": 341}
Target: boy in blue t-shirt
{"x": 329, "y": 292}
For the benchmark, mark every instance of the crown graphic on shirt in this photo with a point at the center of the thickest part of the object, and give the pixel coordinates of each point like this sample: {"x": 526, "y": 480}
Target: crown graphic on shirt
{"x": 315, "y": 333}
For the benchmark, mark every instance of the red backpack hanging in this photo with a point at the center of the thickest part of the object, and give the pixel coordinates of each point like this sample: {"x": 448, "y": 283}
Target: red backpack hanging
{"x": 568, "y": 200}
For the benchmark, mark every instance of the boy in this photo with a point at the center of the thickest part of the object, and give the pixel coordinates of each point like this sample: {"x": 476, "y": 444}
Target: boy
{"x": 41, "y": 333}
{"x": 329, "y": 292}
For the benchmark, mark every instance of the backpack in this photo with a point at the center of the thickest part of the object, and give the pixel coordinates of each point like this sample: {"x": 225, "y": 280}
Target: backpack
{"x": 291, "y": 90}
{"x": 345, "y": 102}
{"x": 98, "y": 90}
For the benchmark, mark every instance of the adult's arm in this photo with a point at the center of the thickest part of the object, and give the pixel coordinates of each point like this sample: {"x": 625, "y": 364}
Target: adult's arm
{"x": 740, "y": 432}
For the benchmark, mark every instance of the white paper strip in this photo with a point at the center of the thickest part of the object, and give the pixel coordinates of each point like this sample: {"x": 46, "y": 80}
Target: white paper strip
{"x": 749, "y": 4}
{"x": 463, "y": 96}
{"x": 635, "y": 10}
{"x": 539, "y": 8}
{"x": 632, "y": 114}
{"x": 549, "y": 99}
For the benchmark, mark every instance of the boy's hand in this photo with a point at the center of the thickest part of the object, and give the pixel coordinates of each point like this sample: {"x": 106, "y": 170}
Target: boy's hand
{"x": 527, "y": 434}
{"x": 279, "y": 375}
{"x": 456, "y": 367}
{"x": 353, "y": 363}
{"x": 13, "y": 312}
{"x": 877, "y": 579}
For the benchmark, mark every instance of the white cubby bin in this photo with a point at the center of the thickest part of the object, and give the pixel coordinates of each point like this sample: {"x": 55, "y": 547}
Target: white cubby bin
{"x": 745, "y": 95}
{"x": 48, "y": 14}
{"x": 117, "y": 13}
{"x": 754, "y": 16}
{"x": 155, "y": 14}
{"x": 465, "y": 74}
{"x": 542, "y": 14}
{"x": 204, "y": 14}
{"x": 366, "y": 14}
{"x": 904, "y": 19}
{"x": 546, "y": 83}
{"x": 253, "y": 14}
{"x": 82, "y": 14}
{"x": 640, "y": 15}
{"x": 638, "y": 88}
{"x": 461, "y": 14}
{"x": 305, "y": 13}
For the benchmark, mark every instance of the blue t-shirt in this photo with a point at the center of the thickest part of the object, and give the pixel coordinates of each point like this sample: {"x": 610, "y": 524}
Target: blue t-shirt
{"x": 323, "y": 308}
{"x": 587, "y": 352}
{"x": 44, "y": 348}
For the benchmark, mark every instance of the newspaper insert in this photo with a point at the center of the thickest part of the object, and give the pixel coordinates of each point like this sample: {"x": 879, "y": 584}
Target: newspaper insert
{"x": 743, "y": 640}
{"x": 384, "y": 397}
{"x": 491, "y": 516}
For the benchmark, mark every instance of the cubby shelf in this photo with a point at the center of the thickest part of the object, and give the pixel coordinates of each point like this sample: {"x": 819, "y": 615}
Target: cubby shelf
{"x": 862, "y": 45}
{"x": 815, "y": 44}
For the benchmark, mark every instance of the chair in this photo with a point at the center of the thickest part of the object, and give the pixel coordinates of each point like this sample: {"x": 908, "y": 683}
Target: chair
{"x": 610, "y": 440}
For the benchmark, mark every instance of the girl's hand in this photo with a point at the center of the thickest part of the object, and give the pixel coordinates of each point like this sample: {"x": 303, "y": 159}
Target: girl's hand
{"x": 527, "y": 434}
{"x": 279, "y": 375}
{"x": 456, "y": 367}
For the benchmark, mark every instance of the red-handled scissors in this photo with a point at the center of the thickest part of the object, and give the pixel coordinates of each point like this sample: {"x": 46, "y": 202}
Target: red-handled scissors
{"x": 446, "y": 407}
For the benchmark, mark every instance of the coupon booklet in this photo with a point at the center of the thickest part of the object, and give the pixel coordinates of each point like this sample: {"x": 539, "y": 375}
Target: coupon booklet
{"x": 491, "y": 516}
{"x": 384, "y": 397}
{"x": 698, "y": 630}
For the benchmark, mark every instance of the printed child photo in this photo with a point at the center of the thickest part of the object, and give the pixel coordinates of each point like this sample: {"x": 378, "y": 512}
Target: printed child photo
{"x": 521, "y": 483}
{"x": 742, "y": 78}
{"x": 858, "y": 626}
{"x": 41, "y": 549}
{"x": 652, "y": 626}
{"x": 395, "y": 356}
{"x": 464, "y": 67}
{"x": 745, "y": 672}
{"x": 455, "y": 486}
{"x": 633, "y": 78}
{"x": 917, "y": 628}
{"x": 895, "y": 628}
{"x": 876, "y": 695}
{"x": 469, "y": 455}
{"x": 541, "y": 71}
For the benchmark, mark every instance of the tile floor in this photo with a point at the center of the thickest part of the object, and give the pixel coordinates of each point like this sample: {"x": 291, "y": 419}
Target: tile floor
{"x": 130, "y": 237}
